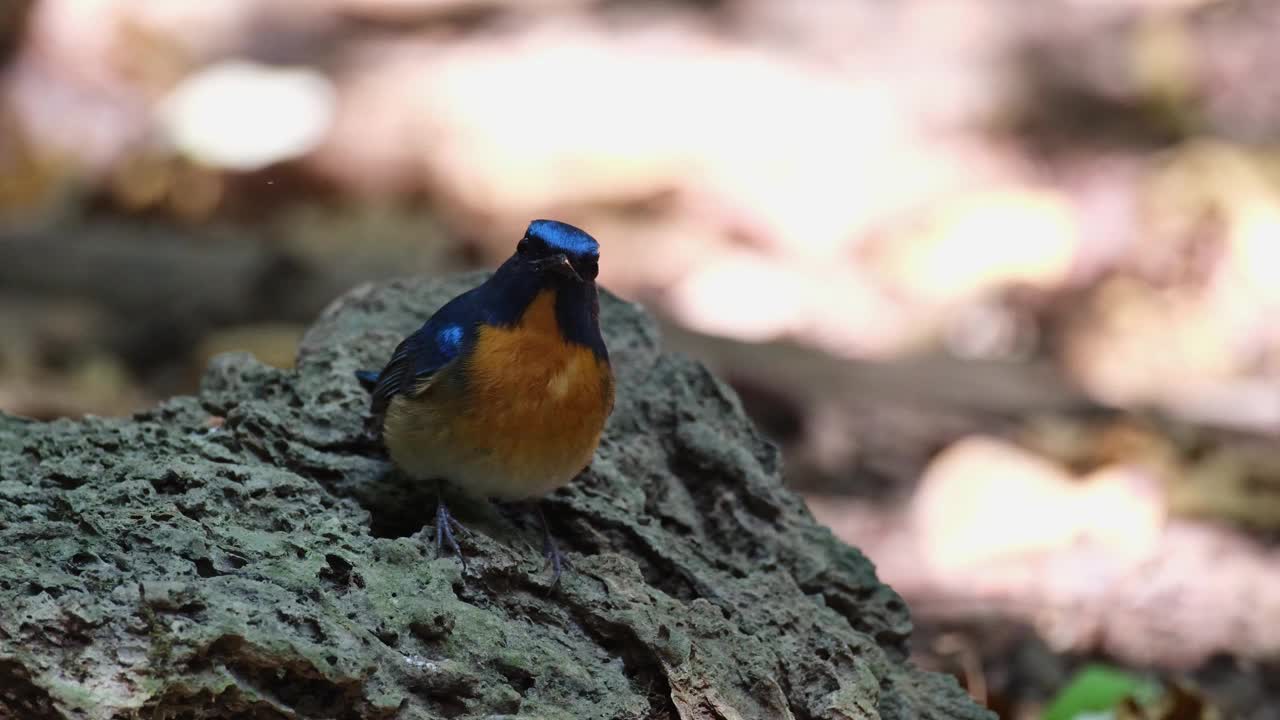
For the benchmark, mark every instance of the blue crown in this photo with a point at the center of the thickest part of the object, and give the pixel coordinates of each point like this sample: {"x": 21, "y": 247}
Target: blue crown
{"x": 564, "y": 237}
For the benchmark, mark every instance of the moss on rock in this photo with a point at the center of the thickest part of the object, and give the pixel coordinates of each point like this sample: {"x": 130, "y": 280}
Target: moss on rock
{"x": 247, "y": 554}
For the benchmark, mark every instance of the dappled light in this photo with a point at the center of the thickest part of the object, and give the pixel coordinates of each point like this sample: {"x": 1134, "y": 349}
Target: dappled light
{"x": 1001, "y": 279}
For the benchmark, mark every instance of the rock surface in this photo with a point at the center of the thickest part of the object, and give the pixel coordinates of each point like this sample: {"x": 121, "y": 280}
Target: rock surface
{"x": 245, "y": 554}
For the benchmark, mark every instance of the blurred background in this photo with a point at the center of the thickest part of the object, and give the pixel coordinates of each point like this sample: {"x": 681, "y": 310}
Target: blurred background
{"x": 1001, "y": 278}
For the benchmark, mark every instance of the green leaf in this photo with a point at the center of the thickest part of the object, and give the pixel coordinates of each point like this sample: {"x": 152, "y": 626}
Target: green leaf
{"x": 1097, "y": 688}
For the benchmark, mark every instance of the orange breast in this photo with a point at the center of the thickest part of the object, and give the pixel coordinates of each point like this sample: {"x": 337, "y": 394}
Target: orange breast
{"x": 523, "y": 417}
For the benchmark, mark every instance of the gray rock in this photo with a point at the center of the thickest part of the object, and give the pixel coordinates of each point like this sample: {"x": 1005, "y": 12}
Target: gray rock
{"x": 246, "y": 554}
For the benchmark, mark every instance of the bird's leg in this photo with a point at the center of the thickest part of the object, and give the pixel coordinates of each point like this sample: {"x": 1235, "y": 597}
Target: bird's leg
{"x": 550, "y": 550}
{"x": 446, "y": 526}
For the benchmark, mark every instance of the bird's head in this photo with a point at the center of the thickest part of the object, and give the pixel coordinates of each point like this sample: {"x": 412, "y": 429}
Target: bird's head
{"x": 559, "y": 253}
{"x": 553, "y": 261}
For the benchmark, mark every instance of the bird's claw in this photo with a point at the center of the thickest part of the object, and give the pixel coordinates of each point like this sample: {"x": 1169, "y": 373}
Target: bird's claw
{"x": 446, "y": 526}
{"x": 554, "y": 559}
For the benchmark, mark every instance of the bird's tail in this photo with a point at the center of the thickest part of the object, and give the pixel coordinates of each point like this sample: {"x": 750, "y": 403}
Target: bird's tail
{"x": 367, "y": 378}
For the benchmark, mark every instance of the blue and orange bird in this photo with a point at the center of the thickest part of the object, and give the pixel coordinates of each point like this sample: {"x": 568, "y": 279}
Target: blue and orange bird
{"x": 505, "y": 390}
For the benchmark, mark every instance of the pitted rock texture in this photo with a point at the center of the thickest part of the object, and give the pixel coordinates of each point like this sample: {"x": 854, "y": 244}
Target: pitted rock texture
{"x": 247, "y": 554}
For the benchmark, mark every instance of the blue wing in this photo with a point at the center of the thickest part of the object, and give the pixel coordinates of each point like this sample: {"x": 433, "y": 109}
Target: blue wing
{"x": 440, "y": 340}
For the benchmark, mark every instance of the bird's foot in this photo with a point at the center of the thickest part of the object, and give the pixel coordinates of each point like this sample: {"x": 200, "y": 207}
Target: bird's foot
{"x": 446, "y": 526}
{"x": 555, "y": 559}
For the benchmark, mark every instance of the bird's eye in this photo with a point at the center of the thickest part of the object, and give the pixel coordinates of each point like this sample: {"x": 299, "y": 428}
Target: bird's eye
{"x": 522, "y": 247}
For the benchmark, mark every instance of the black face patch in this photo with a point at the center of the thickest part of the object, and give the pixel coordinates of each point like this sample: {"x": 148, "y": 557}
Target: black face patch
{"x": 587, "y": 268}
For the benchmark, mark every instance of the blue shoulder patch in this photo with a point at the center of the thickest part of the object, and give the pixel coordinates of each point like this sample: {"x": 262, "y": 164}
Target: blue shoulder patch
{"x": 431, "y": 347}
{"x": 565, "y": 238}
{"x": 449, "y": 340}
{"x": 441, "y": 342}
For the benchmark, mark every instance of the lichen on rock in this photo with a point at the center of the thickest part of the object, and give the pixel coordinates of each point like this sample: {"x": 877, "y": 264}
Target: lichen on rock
{"x": 248, "y": 554}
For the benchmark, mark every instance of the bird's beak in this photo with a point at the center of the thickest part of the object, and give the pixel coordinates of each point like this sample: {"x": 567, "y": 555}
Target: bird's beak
{"x": 559, "y": 264}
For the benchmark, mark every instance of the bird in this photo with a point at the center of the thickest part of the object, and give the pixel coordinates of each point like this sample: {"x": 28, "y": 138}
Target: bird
{"x": 505, "y": 391}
